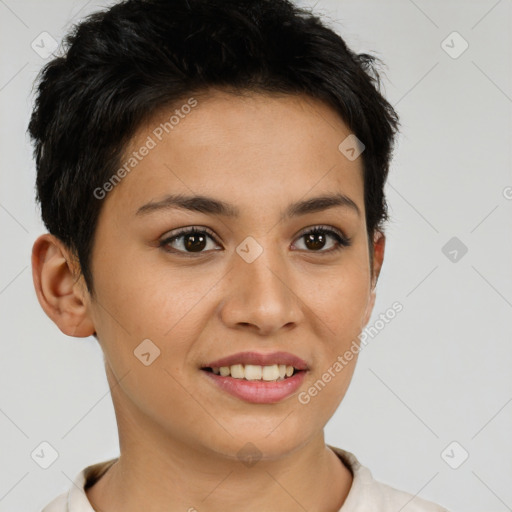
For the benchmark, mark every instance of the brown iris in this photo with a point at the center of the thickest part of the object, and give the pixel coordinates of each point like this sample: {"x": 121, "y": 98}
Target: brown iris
{"x": 194, "y": 242}
{"x": 315, "y": 241}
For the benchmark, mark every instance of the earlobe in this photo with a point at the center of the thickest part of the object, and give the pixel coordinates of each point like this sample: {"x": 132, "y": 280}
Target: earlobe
{"x": 58, "y": 289}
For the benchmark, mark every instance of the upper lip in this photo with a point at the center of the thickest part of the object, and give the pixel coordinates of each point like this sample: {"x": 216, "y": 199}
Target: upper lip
{"x": 257, "y": 358}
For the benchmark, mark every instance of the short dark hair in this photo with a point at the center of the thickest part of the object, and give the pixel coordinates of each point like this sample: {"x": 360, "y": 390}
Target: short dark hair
{"x": 119, "y": 66}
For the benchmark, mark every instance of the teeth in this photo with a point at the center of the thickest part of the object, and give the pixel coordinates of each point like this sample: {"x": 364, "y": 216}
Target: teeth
{"x": 255, "y": 372}
{"x": 270, "y": 372}
{"x": 237, "y": 371}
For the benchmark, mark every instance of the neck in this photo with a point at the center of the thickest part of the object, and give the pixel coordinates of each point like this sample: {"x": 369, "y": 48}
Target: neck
{"x": 180, "y": 478}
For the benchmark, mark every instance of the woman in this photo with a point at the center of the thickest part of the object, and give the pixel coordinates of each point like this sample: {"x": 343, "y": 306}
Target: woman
{"x": 211, "y": 175}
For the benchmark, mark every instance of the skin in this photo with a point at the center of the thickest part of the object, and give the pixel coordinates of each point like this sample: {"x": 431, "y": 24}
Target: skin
{"x": 179, "y": 434}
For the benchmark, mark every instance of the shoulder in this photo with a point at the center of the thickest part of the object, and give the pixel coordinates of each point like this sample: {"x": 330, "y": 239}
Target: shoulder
{"x": 368, "y": 494}
{"x": 58, "y": 504}
{"x": 75, "y": 500}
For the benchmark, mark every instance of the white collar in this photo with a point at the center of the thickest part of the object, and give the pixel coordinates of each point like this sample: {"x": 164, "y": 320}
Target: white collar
{"x": 365, "y": 492}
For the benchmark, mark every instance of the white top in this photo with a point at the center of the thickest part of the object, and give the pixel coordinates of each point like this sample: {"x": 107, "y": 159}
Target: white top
{"x": 366, "y": 494}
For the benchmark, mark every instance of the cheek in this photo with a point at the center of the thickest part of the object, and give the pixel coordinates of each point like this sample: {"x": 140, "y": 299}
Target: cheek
{"x": 146, "y": 324}
{"x": 341, "y": 298}
{"x": 152, "y": 315}
{"x": 342, "y": 304}
{"x": 320, "y": 398}
{"x": 149, "y": 299}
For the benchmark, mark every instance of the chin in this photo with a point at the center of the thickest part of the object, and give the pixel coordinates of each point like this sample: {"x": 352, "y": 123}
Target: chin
{"x": 266, "y": 439}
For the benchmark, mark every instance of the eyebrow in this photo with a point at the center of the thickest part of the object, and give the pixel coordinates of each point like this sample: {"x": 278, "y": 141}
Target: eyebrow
{"x": 212, "y": 206}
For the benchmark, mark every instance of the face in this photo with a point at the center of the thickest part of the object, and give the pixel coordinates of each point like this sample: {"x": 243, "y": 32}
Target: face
{"x": 270, "y": 276}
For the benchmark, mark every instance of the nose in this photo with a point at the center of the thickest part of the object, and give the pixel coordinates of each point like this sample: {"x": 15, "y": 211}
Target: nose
{"x": 261, "y": 295}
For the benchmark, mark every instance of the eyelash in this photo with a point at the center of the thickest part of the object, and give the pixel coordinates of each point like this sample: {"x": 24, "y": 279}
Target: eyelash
{"x": 342, "y": 241}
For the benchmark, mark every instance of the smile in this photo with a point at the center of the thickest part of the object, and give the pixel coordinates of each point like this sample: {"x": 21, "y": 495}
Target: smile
{"x": 257, "y": 378}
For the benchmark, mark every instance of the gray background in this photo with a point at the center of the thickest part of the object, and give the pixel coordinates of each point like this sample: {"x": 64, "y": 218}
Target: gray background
{"x": 439, "y": 372}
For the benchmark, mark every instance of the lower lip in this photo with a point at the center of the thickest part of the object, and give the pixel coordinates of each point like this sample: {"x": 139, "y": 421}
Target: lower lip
{"x": 259, "y": 391}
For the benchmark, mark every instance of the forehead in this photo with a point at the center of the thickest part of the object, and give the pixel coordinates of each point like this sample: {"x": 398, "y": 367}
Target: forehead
{"x": 250, "y": 147}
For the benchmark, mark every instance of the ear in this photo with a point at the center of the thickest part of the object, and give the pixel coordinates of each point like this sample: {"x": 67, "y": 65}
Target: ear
{"x": 379, "y": 243}
{"x": 58, "y": 288}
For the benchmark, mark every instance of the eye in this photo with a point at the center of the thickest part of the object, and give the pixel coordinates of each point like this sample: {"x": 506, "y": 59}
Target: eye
{"x": 192, "y": 240}
{"x": 195, "y": 240}
{"x": 315, "y": 239}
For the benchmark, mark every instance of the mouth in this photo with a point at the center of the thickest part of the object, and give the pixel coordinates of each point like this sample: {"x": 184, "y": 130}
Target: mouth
{"x": 258, "y": 378}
